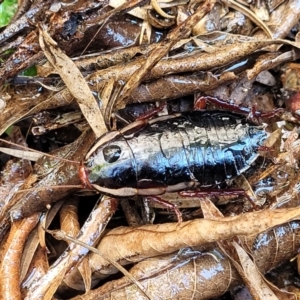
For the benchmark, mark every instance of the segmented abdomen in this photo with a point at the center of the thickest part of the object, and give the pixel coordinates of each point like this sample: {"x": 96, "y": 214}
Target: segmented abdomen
{"x": 206, "y": 147}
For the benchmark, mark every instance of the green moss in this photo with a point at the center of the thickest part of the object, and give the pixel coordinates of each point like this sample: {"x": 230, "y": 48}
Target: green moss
{"x": 31, "y": 71}
{"x": 9, "y": 130}
{"x": 7, "y": 11}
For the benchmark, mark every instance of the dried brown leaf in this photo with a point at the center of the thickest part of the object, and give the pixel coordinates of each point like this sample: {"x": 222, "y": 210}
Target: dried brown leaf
{"x": 256, "y": 20}
{"x": 134, "y": 244}
{"x": 52, "y": 173}
{"x": 29, "y": 101}
{"x": 74, "y": 81}
{"x": 48, "y": 284}
{"x": 187, "y": 275}
{"x": 282, "y": 19}
{"x": 68, "y": 215}
{"x": 180, "y": 32}
{"x": 138, "y": 12}
{"x": 198, "y": 61}
{"x": 32, "y": 244}
{"x": 276, "y": 245}
{"x": 86, "y": 273}
{"x": 269, "y": 61}
{"x": 13, "y": 176}
{"x": 251, "y": 276}
{"x": 171, "y": 87}
{"x": 111, "y": 58}
{"x": 10, "y": 278}
{"x": 39, "y": 266}
{"x": 258, "y": 286}
{"x": 46, "y": 221}
{"x": 241, "y": 260}
{"x": 256, "y": 280}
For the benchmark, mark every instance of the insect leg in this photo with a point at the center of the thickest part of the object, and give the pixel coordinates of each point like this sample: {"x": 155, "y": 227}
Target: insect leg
{"x": 152, "y": 112}
{"x": 265, "y": 149}
{"x": 166, "y": 204}
{"x": 251, "y": 113}
{"x": 254, "y": 114}
{"x": 223, "y": 104}
{"x": 215, "y": 192}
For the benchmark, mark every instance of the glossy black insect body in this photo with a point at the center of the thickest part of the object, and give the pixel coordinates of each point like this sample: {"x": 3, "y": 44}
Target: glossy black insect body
{"x": 172, "y": 153}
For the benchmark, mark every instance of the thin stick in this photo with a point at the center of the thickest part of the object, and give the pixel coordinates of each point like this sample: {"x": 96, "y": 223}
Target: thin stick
{"x": 61, "y": 235}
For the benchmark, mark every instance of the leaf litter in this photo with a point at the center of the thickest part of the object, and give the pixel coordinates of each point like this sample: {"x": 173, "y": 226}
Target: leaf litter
{"x": 174, "y": 65}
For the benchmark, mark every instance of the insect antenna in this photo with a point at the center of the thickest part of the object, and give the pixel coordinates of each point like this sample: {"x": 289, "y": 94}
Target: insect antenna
{"x": 36, "y": 151}
{"x": 78, "y": 186}
{"x": 20, "y": 154}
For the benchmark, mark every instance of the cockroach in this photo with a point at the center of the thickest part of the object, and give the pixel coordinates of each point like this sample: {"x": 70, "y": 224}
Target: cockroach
{"x": 173, "y": 153}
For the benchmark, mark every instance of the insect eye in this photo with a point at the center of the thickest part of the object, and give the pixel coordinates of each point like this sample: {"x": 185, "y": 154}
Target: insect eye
{"x": 111, "y": 153}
